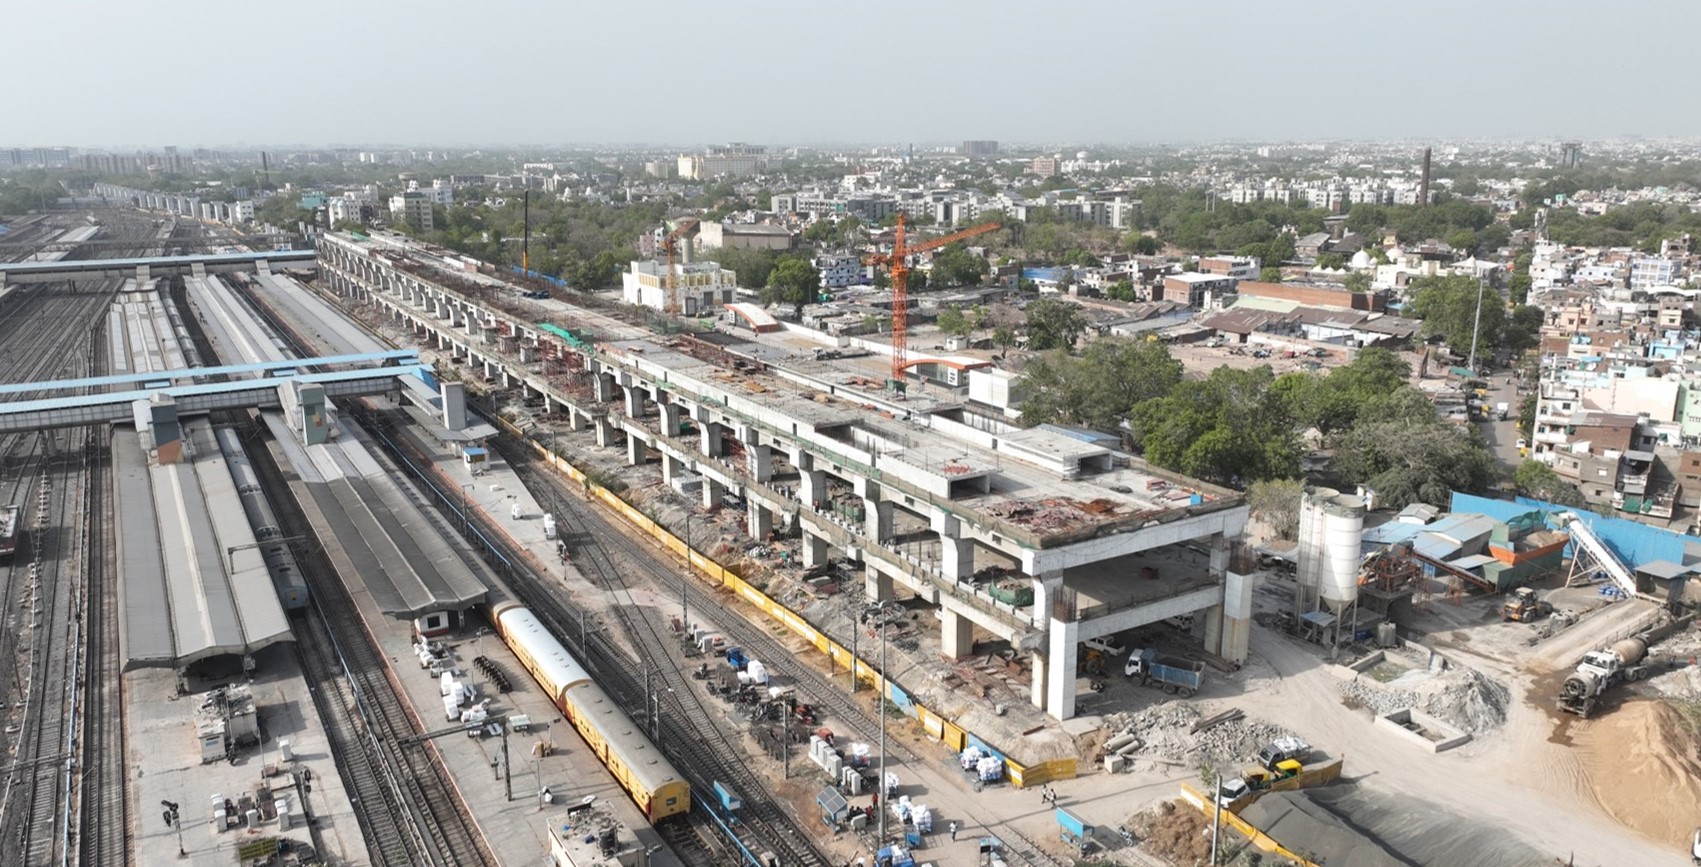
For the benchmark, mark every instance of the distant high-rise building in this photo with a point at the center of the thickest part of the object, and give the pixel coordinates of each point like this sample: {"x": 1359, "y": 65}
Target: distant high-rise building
{"x": 980, "y": 148}
{"x": 736, "y": 159}
{"x": 412, "y": 207}
{"x": 1570, "y": 155}
{"x": 1045, "y": 167}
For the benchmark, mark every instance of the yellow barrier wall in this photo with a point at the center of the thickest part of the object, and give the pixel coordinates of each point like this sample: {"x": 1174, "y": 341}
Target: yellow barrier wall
{"x": 933, "y": 724}
{"x": 1259, "y": 838}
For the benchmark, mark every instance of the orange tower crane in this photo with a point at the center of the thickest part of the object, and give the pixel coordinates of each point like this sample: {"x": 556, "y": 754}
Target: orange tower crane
{"x": 670, "y": 281}
{"x": 897, "y": 262}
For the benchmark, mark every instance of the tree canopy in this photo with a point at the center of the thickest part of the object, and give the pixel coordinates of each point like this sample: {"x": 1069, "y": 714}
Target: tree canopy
{"x": 1448, "y": 307}
{"x": 1233, "y": 428}
{"x": 956, "y": 266}
{"x": 1538, "y": 481}
{"x": 1099, "y": 388}
{"x": 793, "y": 281}
{"x": 1053, "y": 324}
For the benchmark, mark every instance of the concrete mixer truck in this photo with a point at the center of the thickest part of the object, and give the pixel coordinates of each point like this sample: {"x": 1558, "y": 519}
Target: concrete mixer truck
{"x": 1602, "y": 670}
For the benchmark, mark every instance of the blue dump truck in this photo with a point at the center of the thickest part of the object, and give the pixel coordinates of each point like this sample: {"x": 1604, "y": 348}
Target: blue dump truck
{"x": 1175, "y": 675}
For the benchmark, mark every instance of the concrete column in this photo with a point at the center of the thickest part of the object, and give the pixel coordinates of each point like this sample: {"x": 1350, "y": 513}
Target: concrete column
{"x": 761, "y": 462}
{"x": 814, "y": 550}
{"x": 1234, "y": 635}
{"x": 576, "y": 418}
{"x": 877, "y": 585}
{"x": 603, "y": 386}
{"x": 1046, "y": 588}
{"x": 634, "y": 401}
{"x": 1219, "y": 553}
{"x": 670, "y": 413}
{"x": 712, "y": 492}
{"x": 957, "y": 638}
{"x": 636, "y": 451}
{"x": 709, "y": 433}
{"x": 1036, "y": 692}
{"x": 759, "y": 520}
{"x": 956, "y": 558}
{"x": 605, "y": 432}
{"x": 813, "y": 487}
{"x": 671, "y": 468}
{"x": 877, "y": 516}
{"x": 1060, "y": 681}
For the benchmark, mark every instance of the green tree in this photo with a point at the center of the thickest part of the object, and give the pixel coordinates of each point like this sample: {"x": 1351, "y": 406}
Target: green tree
{"x": 1121, "y": 290}
{"x": 1054, "y": 324}
{"x": 1142, "y": 245}
{"x": 1333, "y": 403}
{"x": 1523, "y": 329}
{"x": 1100, "y": 387}
{"x": 1331, "y": 261}
{"x": 1003, "y": 337}
{"x": 1275, "y": 502}
{"x": 956, "y": 266}
{"x": 1233, "y": 428}
{"x": 793, "y": 281}
{"x": 1448, "y": 307}
{"x": 1270, "y": 274}
{"x": 954, "y": 320}
{"x": 1407, "y": 462}
{"x": 1538, "y": 481}
{"x": 1357, "y": 281}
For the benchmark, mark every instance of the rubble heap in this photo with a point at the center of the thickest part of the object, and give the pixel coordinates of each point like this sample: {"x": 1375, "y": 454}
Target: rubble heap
{"x": 1162, "y": 730}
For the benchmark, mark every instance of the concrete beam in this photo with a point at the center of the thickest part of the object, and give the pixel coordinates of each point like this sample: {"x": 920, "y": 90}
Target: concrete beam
{"x": 1142, "y": 615}
{"x": 1230, "y": 522}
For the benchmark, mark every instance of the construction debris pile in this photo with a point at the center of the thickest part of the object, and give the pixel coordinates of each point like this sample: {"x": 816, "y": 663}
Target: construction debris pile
{"x": 1462, "y": 697}
{"x": 1178, "y": 732}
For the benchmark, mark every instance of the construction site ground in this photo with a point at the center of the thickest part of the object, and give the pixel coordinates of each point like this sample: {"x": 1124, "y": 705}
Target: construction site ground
{"x": 1531, "y": 785}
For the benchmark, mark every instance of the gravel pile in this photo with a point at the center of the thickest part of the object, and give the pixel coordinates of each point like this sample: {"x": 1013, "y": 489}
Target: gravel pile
{"x": 1465, "y": 697}
{"x": 1163, "y": 733}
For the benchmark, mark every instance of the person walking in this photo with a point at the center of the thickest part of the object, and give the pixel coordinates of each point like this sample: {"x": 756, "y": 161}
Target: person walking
{"x": 953, "y": 832}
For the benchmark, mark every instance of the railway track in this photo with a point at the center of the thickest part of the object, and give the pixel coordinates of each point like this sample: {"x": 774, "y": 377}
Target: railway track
{"x": 689, "y": 735}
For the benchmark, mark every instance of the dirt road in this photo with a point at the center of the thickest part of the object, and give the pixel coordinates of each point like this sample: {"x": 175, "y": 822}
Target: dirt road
{"x": 1515, "y": 779}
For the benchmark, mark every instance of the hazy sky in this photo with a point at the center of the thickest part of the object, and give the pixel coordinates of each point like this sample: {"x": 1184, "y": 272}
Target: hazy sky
{"x": 193, "y": 72}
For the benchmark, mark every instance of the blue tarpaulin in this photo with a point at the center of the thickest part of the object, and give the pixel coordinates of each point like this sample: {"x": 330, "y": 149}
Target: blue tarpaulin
{"x": 1635, "y": 543}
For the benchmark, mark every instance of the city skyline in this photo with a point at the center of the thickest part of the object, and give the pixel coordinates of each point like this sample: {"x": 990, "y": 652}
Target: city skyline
{"x": 1096, "y": 73}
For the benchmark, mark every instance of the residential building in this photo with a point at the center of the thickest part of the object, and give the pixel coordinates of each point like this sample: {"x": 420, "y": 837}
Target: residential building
{"x": 730, "y": 160}
{"x": 699, "y": 287}
{"x": 343, "y": 209}
{"x": 838, "y": 271}
{"x": 242, "y": 211}
{"x": 979, "y": 148}
{"x": 1238, "y": 267}
{"x": 1045, "y": 167}
{"x": 1197, "y": 291}
{"x": 413, "y": 208}
{"x": 743, "y": 236}
{"x": 1646, "y": 272}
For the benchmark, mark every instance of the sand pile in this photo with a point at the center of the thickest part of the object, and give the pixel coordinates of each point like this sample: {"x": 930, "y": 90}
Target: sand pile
{"x": 1643, "y": 761}
{"x": 1463, "y": 697}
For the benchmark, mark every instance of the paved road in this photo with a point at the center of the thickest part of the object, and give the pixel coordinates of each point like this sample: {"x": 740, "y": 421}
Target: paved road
{"x": 1502, "y": 436}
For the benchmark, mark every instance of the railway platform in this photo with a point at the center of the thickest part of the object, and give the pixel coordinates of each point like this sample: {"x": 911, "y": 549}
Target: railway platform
{"x": 165, "y": 765}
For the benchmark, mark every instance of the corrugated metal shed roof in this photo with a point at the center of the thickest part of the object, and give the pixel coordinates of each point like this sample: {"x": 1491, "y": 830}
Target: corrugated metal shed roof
{"x": 193, "y": 586}
{"x": 1391, "y": 532}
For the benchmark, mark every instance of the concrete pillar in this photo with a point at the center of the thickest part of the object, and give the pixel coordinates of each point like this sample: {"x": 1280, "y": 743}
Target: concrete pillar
{"x": 709, "y": 433}
{"x": 1046, "y": 588}
{"x": 605, "y": 432}
{"x": 956, "y": 558}
{"x": 877, "y": 517}
{"x": 1234, "y": 634}
{"x": 634, "y": 401}
{"x": 670, "y": 415}
{"x": 454, "y": 396}
{"x": 877, "y": 585}
{"x": 1219, "y": 553}
{"x": 1060, "y": 681}
{"x": 671, "y": 468}
{"x": 761, "y": 462}
{"x": 814, "y": 550}
{"x": 602, "y": 384}
{"x": 636, "y": 451}
{"x": 957, "y": 638}
{"x": 576, "y": 418}
{"x": 759, "y": 520}
{"x": 813, "y": 488}
{"x": 1036, "y": 692}
{"x": 712, "y": 492}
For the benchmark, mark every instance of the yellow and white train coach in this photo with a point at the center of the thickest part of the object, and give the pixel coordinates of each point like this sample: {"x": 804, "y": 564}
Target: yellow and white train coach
{"x": 618, "y": 742}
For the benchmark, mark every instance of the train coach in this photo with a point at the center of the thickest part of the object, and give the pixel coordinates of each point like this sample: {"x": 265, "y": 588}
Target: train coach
{"x": 619, "y": 743}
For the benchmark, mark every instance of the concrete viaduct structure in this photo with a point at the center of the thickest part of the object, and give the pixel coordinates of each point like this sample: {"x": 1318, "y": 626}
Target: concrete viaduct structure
{"x": 154, "y": 267}
{"x": 1103, "y": 544}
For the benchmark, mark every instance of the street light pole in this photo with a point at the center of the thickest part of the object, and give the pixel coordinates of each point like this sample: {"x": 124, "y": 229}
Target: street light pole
{"x": 1476, "y": 325}
{"x": 880, "y": 708}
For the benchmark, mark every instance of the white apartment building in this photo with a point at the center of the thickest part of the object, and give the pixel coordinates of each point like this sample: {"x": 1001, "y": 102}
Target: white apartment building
{"x": 1646, "y": 272}
{"x": 413, "y": 208}
{"x": 699, "y": 287}
{"x": 736, "y": 159}
{"x": 241, "y": 212}
{"x": 840, "y": 270}
{"x": 343, "y": 209}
